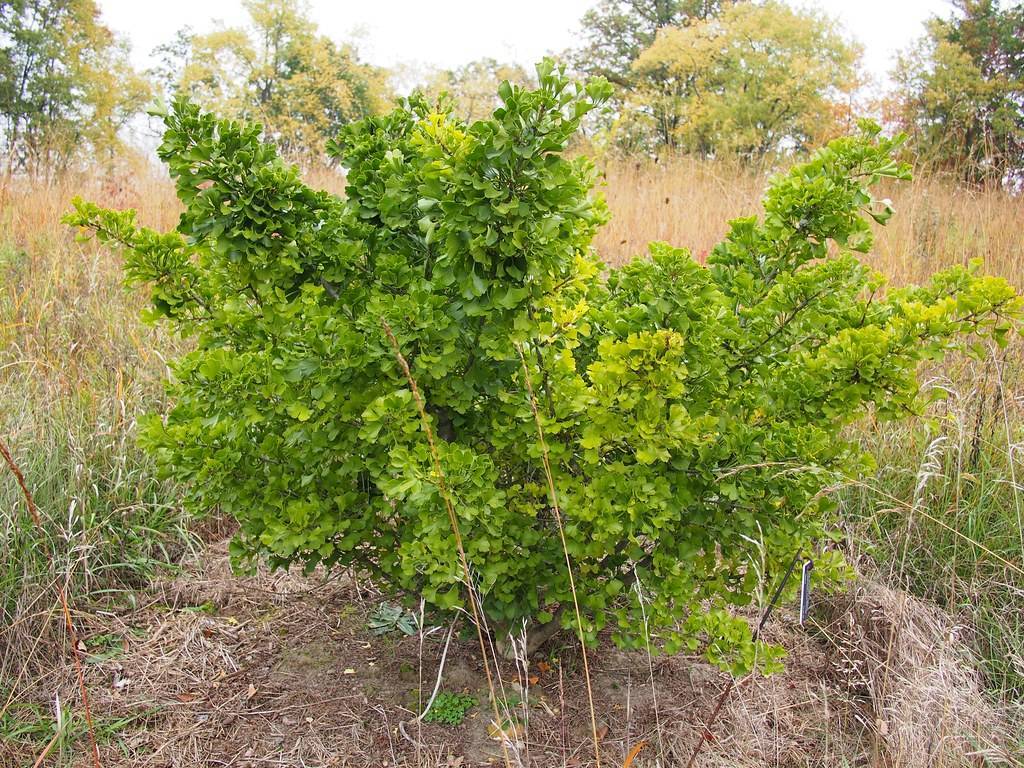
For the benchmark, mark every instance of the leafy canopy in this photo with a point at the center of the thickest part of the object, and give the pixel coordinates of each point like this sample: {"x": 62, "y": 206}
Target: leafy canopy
{"x": 960, "y": 94}
{"x": 615, "y": 32}
{"x": 473, "y": 87}
{"x": 693, "y": 413}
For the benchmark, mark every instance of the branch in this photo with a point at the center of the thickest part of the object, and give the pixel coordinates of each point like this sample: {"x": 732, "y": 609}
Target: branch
{"x": 774, "y": 334}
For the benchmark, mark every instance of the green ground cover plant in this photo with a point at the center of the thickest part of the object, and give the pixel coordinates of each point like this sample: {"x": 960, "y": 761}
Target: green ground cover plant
{"x": 449, "y": 708}
{"x": 693, "y": 413}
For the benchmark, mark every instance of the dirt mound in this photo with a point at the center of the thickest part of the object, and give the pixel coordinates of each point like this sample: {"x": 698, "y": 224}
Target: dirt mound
{"x": 280, "y": 669}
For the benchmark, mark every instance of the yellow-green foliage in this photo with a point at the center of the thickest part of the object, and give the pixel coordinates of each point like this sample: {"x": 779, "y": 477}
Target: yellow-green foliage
{"x": 473, "y": 87}
{"x": 65, "y": 84}
{"x": 300, "y": 85}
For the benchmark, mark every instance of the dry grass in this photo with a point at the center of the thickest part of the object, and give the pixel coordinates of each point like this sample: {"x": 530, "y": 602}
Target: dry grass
{"x": 685, "y": 202}
{"x": 688, "y": 202}
{"x": 909, "y": 667}
{"x": 942, "y": 516}
{"x": 76, "y": 370}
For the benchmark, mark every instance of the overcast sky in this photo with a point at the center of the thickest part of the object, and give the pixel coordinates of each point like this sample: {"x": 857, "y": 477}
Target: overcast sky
{"x": 447, "y": 33}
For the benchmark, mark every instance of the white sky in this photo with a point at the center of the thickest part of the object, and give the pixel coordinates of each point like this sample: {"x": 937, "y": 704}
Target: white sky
{"x": 447, "y": 33}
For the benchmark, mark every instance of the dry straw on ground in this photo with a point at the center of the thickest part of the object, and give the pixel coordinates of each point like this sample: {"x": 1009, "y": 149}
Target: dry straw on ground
{"x": 279, "y": 669}
{"x": 910, "y": 665}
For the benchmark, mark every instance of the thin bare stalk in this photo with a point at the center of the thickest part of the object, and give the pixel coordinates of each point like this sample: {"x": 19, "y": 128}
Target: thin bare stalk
{"x": 419, "y": 685}
{"x": 565, "y": 549}
{"x": 650, "y": 662}
{"x": 442, "y": 486}
{"x": 440, "y": 673}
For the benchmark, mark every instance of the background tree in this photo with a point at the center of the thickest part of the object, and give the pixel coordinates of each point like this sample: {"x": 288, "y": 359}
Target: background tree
{"x": 473, "y": 87}
{"x": 66, "y": 86}
{"x": 172, "y": 58}
{"x": 617, "y": 31}
{"x": 758, "y": 79}
{"x": 960, "y": 92}
{"x": 300, "y": 85}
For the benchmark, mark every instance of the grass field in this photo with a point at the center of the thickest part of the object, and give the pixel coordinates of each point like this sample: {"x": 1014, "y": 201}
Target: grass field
{"x": 942, "y": 517}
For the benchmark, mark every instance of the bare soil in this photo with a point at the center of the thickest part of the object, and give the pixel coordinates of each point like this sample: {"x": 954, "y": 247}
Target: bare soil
{"x": 279, "y": 669}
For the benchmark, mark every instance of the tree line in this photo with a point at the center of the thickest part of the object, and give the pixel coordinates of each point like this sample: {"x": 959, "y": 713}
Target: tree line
{"x": 749, "y": 81}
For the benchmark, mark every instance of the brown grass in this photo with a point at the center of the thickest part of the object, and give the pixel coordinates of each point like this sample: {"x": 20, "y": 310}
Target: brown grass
{"x": 215, "y": 668}
{"x": 688, "y": 203}
{"x": 909, "y": 667}
{"x": 682, "y": 201}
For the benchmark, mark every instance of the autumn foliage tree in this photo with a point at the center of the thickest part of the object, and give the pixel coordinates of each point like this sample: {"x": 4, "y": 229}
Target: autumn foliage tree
{"x": 299, "y": 84}
{"x": 756, "y": 80}
{"x": 66, "y": 86}
{"x": 616, "y": 32}
{"x": 693, "y": 413}
{"x": 473, "y": 87}
{"x": 960, "y": 94}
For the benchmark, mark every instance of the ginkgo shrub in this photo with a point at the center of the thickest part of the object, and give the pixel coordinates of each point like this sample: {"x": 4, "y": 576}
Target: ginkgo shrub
{"x": 693, "y": 413}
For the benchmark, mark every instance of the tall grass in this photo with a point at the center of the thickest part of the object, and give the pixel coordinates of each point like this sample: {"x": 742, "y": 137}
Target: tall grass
{"x": 689, "y": 202}
{"x": 76, "y": 370}
{"x": 683, "y": 201}
{"x": 943, "y": 515}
